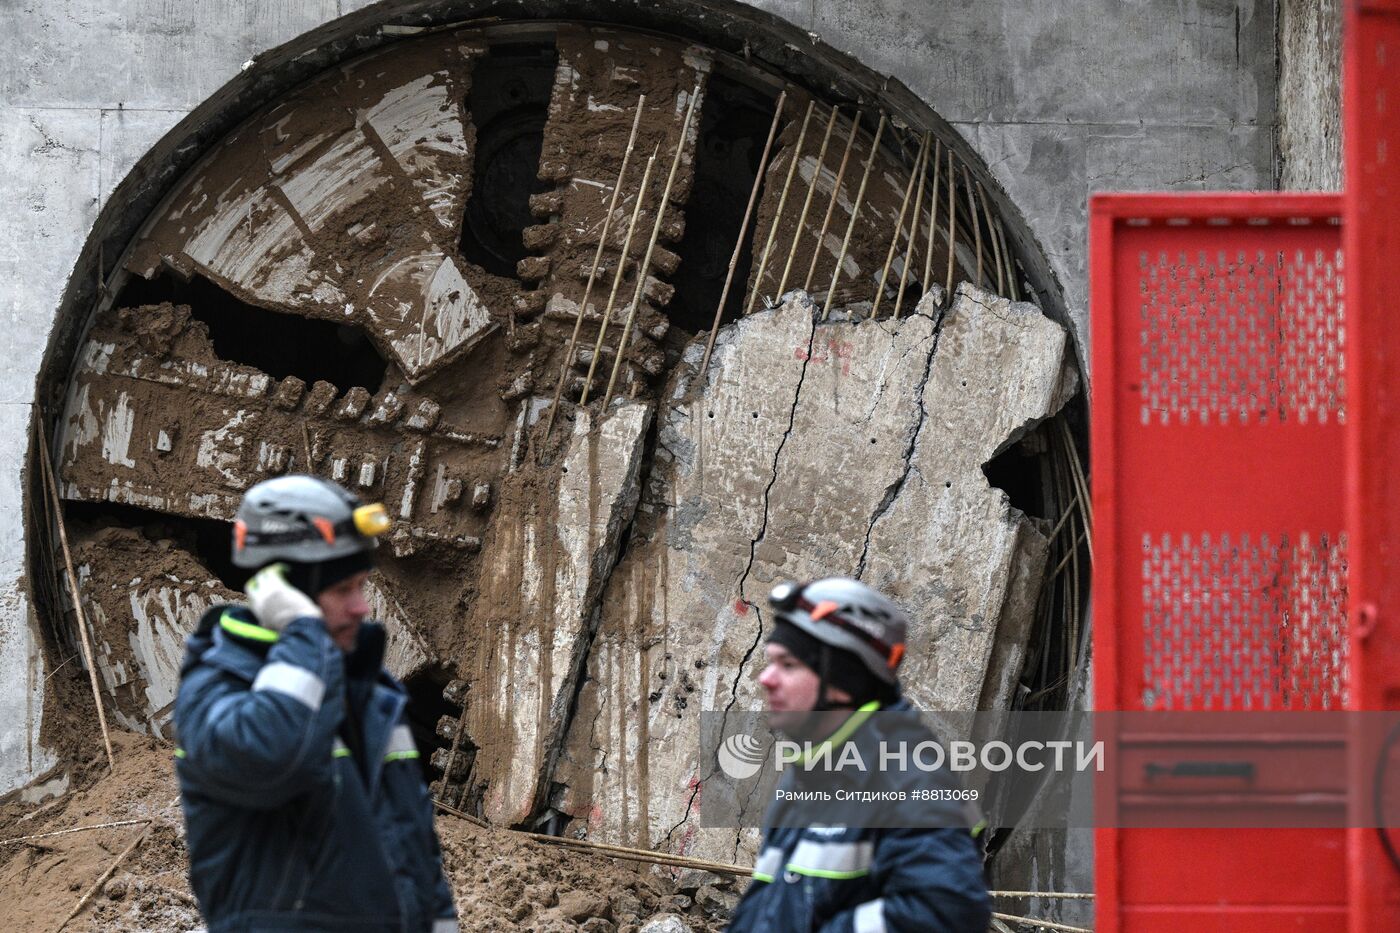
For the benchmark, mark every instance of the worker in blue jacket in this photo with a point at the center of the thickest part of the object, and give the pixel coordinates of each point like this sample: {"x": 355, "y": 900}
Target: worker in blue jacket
{"x": 855, "y": 868}
{"x": 304, "y": 803}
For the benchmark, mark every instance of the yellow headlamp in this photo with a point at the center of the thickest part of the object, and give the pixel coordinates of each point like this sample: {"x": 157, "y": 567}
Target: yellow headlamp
{"x": 371, "y": 520}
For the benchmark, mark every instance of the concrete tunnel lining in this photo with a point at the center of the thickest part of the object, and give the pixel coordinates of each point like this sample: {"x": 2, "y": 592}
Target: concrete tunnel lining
{"x": 115, "y": 282}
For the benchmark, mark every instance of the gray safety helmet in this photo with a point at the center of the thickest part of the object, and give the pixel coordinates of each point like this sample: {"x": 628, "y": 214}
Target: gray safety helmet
{"x": 304, "y": 520}
{"x": 848, "y": 615}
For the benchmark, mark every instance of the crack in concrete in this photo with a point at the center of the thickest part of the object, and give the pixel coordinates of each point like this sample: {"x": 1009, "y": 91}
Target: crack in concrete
{"x": 893, "y": 490}
{"x": 753, "y": 550}
{"x": 763, "y": 528}
{"x": 689, "y": 805}
{"x": 626, "y": 534}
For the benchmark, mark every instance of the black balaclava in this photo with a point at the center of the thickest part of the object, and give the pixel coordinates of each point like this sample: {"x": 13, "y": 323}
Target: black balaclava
{"x": 835, "y": 668}
{"x": 312, "y": 579}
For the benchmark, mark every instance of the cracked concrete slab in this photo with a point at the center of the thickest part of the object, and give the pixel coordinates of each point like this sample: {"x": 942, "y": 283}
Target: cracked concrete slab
{"x": 946, "y": 546}
{"x": 545, "y": 562}
{"x": 675, "y": 628}
{"x": 810, "y": 450}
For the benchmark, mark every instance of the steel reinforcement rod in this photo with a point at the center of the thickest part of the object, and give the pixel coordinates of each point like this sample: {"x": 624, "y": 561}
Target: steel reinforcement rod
{"x": 617, "y": 278}
{"x": 932, "y": 212}
{"x": 1010, "y": 263}
{"x": 909, "y": 254}
{"x": 778, "y": 215}
{"x": 593, "y": 273}
{"x": 992, "y": 236}
{"x": 743, "y": 231}
{"x": 952, "y": 221}
{"x": 807, "y": 202}
{"x": 686, "y": 861}
{"x": 831, "y": 203}
{"x": 898, "y": 227}
{"x": 976, "y": 224}
{"x": 855, "y": 212}
{"x": 651, "y": 245}
{"x": 46, "y": 467}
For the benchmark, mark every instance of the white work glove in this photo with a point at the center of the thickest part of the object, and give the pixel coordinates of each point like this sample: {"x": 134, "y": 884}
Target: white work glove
{"x": 275, "y": 601}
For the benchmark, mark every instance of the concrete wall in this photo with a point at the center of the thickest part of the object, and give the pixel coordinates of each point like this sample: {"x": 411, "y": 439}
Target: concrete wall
{"x": 1310, "y": 95}
{"x": 1059, "y": 100}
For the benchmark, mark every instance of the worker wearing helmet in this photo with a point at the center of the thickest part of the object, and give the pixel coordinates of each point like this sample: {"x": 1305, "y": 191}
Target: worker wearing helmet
{"x": 304, "y": 803}
{"x": 830, "y": 679}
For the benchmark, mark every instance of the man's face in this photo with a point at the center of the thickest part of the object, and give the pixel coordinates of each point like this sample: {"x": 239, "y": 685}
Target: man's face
{"x": 345, "y": 607}
{"x": 791, "y": 687}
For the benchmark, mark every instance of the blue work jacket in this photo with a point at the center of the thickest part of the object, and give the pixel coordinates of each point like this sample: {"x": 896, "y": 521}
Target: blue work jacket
{"x": 841, "y": 877}
{"x": 286, "y": 830}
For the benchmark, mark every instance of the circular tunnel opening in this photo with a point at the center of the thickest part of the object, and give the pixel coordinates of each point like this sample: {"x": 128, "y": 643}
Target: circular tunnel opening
{"x": 427, "y": 258}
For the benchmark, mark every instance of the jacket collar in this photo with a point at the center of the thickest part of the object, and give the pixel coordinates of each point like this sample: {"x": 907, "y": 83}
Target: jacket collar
{"x": 230, "y": 638}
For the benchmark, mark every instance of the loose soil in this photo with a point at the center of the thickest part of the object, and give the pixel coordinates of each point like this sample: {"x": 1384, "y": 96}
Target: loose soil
{"x": 501, "y": 880}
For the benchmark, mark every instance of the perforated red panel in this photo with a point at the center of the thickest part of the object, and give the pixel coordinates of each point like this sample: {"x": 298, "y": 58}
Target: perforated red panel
{"x": 1221, "y": 343}
{"x": 1208, "y": 318}
{"x": 1244, "y": 623}
{"x": 1220, "y": 399}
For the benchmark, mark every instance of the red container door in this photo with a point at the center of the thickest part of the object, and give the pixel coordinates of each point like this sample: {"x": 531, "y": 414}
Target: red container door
{"x": 1219, "y": 431}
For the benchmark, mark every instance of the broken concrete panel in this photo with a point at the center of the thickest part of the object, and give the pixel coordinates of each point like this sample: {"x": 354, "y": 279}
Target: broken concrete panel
{"x": 945, "y": 546}
{"x": 770, "y": 473}
{"x": 1013, "y": 632}
{"x": 630, "y": 768}
{"x": 544, "y": 567}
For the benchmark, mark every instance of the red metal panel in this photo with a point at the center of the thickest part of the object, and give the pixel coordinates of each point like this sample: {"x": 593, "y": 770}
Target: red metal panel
{"x": 1219, "y": 411}
{"x": 1371, "y": 131}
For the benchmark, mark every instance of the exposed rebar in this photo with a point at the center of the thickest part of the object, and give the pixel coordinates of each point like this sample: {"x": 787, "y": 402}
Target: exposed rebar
{"x": 912, "y": 247}
{"x": 743, "y": 231}
{"x": 932, "y": 212}
{"x": 976, "y": 224}
{"x": 898, "y": 228}
{"x": 778, "y": 215}
{"x": 1010, "y": 262}
{"x": 651, "y": 245}
{"x": 831, "y": 203}
{"x": 593, "y": 273}
{"x": 855, "y": 212}
{"x": 807, "y": 202}
{"x": 1045, "y": 924}
{"x": 992, "y": 235}
{"x": 617, "y": 279}
{"x": 952, "y": 220}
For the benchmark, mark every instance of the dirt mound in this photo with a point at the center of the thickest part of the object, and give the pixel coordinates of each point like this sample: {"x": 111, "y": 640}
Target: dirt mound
{"x": 501, "y": 880}
{"x": 43, "y": 879}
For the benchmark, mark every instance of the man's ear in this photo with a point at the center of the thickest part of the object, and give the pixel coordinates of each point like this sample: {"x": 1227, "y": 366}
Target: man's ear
{"x": 837, "y": 696}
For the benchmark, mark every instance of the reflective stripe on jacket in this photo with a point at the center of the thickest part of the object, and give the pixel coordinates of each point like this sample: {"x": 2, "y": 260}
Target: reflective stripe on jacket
{"x": 853, "y": 879}
{"x": 286, "y": 830}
